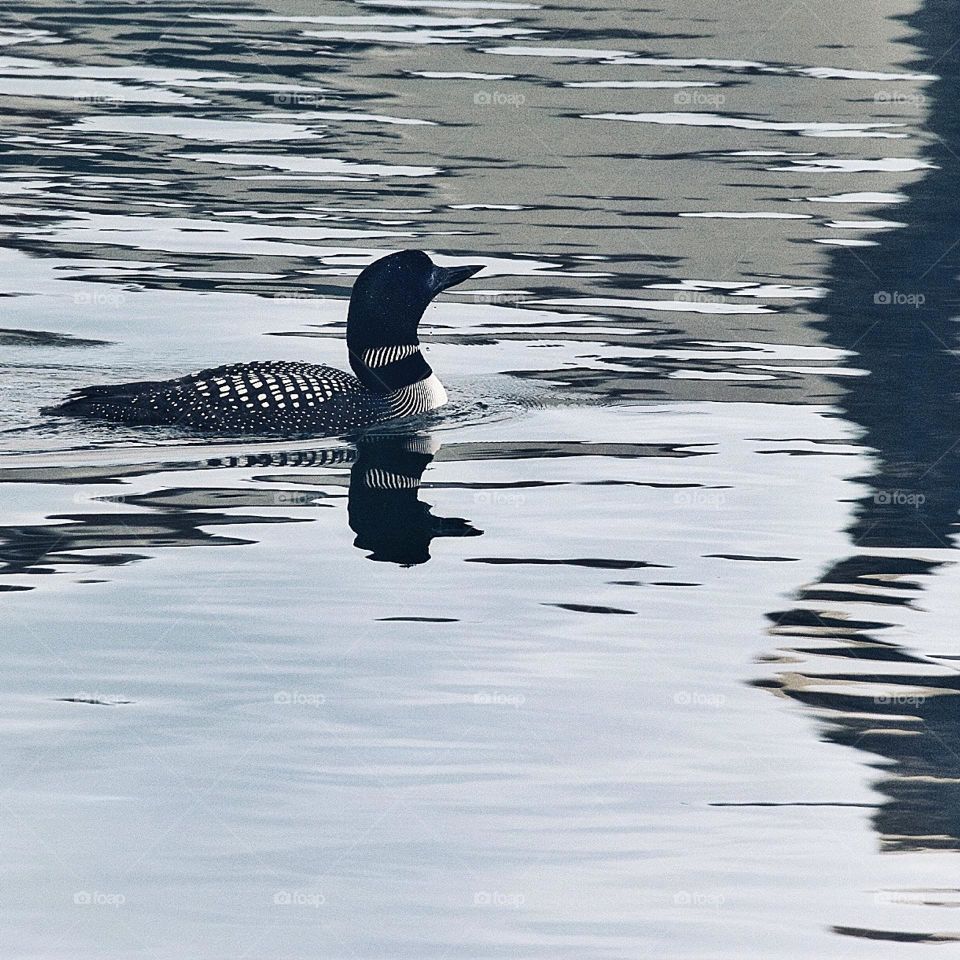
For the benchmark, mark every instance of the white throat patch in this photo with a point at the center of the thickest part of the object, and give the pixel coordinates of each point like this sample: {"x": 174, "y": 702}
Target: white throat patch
{"x": 419, "y": 397}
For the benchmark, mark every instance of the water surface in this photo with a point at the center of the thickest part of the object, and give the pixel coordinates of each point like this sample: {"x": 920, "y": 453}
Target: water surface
{"x": 653, "y": 655}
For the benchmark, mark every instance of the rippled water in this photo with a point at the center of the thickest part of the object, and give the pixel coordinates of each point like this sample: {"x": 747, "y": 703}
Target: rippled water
{"x": 659, "y": 658}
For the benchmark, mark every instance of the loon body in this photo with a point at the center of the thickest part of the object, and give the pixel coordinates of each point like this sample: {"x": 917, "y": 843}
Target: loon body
{"x": 391, "y": 378}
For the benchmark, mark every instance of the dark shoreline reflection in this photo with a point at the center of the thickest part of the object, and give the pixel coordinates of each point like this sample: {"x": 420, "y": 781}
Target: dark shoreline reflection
{"x": 894, "y": 305}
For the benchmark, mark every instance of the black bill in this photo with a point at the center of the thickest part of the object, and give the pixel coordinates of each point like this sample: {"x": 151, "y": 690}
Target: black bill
{"x": 442, "y": 278}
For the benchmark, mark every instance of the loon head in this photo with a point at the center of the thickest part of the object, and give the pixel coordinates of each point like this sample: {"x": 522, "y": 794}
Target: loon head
{"x": 387, "y": 302}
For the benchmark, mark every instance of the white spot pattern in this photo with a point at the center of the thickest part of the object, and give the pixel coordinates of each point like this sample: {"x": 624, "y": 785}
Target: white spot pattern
{"x": 291, "y": 398}
{"x": 381, "y": 356}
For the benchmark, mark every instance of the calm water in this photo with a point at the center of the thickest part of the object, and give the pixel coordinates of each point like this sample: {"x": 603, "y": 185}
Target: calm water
{"x": 660, "y": 658}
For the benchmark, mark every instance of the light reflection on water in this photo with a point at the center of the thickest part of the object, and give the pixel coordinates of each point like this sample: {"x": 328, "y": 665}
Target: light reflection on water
{"x": 496, "y": 682}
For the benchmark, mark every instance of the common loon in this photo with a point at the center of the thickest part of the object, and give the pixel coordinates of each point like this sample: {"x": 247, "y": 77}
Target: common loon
{"x": 289, "y": 397}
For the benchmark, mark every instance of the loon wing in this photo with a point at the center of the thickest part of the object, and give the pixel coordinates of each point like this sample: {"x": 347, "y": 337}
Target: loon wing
{"x": 262, "y": 395}
{"x": 105, "y": 399}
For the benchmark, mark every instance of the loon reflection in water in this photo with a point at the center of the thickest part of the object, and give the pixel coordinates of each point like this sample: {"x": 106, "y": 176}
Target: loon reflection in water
{"x": 288, "y": 398}
{"x": 384, "y": 510}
